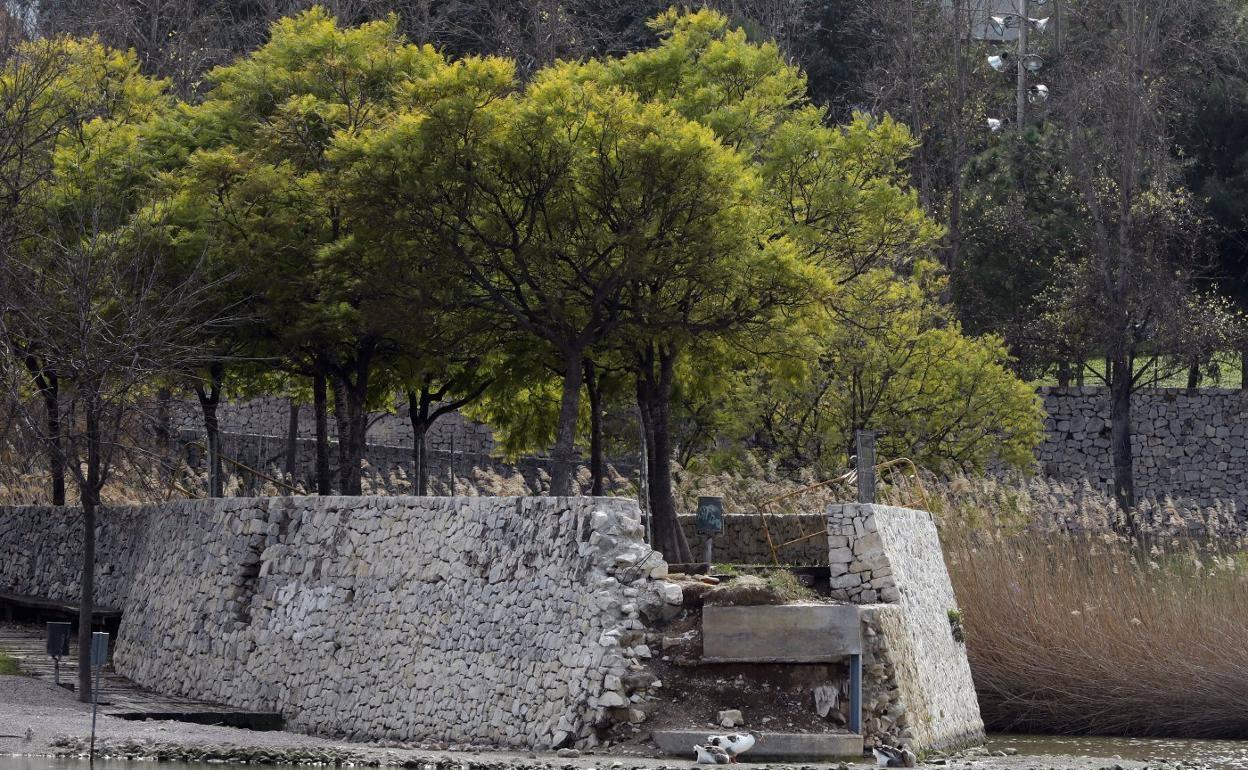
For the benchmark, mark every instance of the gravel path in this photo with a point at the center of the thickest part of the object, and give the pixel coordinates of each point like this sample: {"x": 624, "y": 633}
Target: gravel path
{"x": 59, "y": 724}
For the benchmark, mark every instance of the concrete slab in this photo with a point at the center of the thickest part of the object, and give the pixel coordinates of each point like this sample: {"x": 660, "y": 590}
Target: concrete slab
{"x": 773, "y": 746}
{"x": 785, "y": 633}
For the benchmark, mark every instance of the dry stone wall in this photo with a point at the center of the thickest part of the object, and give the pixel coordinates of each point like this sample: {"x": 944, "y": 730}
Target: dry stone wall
{"x": 1191, "y": 446}
{"x": 502, "y": 621}
{"x": 270, "y": 416}
{"x": 744, "y": 540}
{"x": 41, "y": 552}
{"x": 891, "y": 558}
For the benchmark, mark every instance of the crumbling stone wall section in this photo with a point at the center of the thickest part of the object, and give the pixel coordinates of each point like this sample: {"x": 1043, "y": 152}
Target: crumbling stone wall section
{"x": 41, "y": 552}
{"x": 892, "y": 556}
{"x": 501, "y": 621}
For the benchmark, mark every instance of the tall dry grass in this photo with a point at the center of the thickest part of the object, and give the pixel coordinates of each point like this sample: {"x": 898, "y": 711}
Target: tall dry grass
{"x": 1093, "y": 634}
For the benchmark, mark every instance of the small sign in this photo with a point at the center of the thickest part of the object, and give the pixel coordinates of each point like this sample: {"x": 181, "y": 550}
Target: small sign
{"x": 99, "y": 648}
{"x": 710, "y": 519}
{"x": 58, "y": 640}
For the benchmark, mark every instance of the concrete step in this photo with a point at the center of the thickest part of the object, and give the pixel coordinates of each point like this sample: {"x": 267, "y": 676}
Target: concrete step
{"x": 772, "y": 746}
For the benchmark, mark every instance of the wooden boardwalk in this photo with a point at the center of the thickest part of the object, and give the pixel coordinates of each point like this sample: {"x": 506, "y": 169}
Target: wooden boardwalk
{"x": 120, "y": 697}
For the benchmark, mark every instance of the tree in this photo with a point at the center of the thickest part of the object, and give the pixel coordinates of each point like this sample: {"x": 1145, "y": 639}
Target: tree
{"x": 835, "y": 201}
{"x": 52, "y": 93}
{"x": 259, "y": 184}
{"x": 903, "y": 368}
{"x": 85, "y": 293}
{"x": 1127, "y": 297}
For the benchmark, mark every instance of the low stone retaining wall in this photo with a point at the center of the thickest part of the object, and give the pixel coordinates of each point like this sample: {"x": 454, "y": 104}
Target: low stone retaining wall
{"x": 745, "y": 540}
{"x": 41, "y": 552}
{"x": 490, "y": 620}
{"x": 484, "y": 620}
{"x": 891, "y": 558}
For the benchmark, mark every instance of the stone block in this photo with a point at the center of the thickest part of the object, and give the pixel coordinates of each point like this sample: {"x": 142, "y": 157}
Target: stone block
{"x": 783, "y": 746}
{"x": 792, "y": 633}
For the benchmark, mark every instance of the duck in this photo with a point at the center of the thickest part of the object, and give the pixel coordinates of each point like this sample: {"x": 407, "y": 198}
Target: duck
{"x": 888, "y": 756}
{"x": 711, "y": 755}
{"x": 734, "y": 743}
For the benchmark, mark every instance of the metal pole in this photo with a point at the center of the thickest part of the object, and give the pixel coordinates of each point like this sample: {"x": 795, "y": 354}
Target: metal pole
{"x": 866, "y": 465}
{"x": 707, "y": 546}
{"x": 95, "y": 710}
{"x": 1022, "y": 71}
{"x": 855, "y": 693}
{"x": 99, "y": 656}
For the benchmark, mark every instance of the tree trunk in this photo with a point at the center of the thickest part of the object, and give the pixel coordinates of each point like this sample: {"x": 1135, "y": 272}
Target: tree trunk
{"x": 564, "y": 452}
{"x": 56, "y": 458}
{"x": 351, "y": 411}
{"x": 1120, "y": 432}
{"x": 418, "y": 412}
{"x": 595, "y": 429}
{"x": 209, "y": 399}
{"x": 654, "y": 396}
{"x": 164, "y": 419}
{"x": 320, "y": 405}
{"x": 1193, "y": 376}
{"x": 292, "y": 443}
{"x": 342, "y": 421}
{"x": 1243, "y": 368}
{"x": 90, "y": 496}
{"x": 1063, "y": 374}
{"x": 48, "y": 386}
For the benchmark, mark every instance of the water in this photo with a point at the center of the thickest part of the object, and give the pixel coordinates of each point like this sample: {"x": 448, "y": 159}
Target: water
{"x": 1216, "y": 755}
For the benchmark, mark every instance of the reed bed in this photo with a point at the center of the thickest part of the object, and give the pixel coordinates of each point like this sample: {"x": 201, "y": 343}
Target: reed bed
{"x": 1093, "y": 634}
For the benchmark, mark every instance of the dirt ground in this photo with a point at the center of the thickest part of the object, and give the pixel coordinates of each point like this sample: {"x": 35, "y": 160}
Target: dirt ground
{"x": 51, "y": 714}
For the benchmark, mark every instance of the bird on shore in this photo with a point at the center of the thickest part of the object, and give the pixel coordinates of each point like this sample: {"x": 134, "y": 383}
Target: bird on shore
{"x": 30, "y": 736}
{"x": 888, "y": 756}
{"x": 711, "y": 755}
{"x": 734, "y": 743}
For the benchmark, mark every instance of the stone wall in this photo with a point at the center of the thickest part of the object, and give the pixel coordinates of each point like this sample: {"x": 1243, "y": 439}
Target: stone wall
{"x": 270, "y": 416}
{"x": 1190, "y": 446}
{"x": 41, "y": 552}
{"x": 388, "y": 469}
{"x": 881, "y": 555}
{"x": 495, "y": 621}
{"x": 744, "y": 540}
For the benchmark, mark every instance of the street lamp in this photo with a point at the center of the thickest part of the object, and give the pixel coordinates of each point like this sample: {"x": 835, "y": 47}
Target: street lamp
{"x": 1024, "y": 61}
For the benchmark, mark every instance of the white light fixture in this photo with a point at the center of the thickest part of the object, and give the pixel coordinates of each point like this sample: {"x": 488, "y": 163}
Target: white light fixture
{"x": 1040, "y": 24}
{"x": 994, "y": 124}
{"x": 1033, "y": 63}
{"x": 999, "y": 61}
{"x": 1038, "y": 93}
{"x": 999, "y": 24}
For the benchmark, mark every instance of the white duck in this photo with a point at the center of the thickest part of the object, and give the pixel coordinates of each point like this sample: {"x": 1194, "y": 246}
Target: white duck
{"x": 734, "y": 743}
{"x": 887, "y": 756}
{"x": 711, "y": 755}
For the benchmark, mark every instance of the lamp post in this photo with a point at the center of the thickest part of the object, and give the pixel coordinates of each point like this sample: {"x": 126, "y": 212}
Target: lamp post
{"x": 1025, "y": 61}
{"x": 1021, "y": 96}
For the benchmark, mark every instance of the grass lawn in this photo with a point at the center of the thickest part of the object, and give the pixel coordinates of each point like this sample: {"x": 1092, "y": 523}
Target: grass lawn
{"x": 8, "y": 665}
